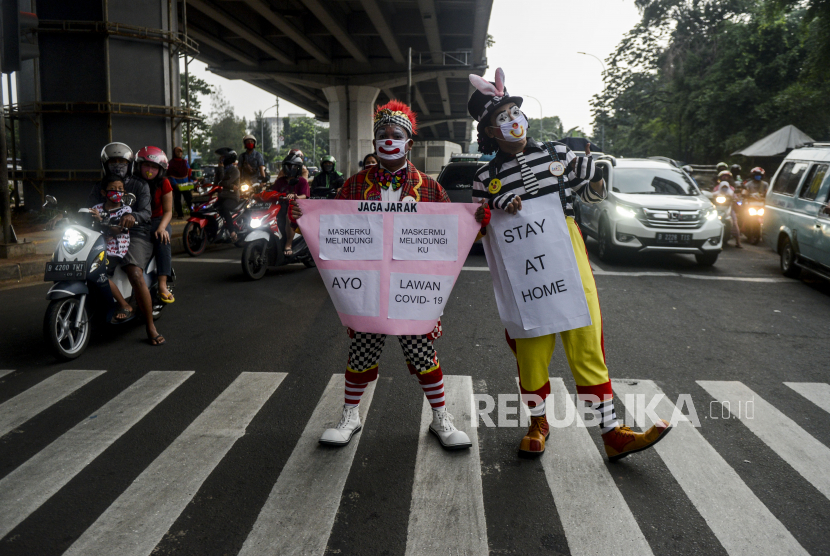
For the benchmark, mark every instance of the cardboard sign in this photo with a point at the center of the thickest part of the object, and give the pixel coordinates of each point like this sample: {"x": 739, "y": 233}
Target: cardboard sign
{"x": 405, "y": 290}
{"x": 535, "y": 277}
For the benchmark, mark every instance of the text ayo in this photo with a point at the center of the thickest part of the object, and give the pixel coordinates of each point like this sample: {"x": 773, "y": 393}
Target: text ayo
{"x": 510, "y": 237}
{"x": 387, "y": 207}
{"x": 344, "y": 283}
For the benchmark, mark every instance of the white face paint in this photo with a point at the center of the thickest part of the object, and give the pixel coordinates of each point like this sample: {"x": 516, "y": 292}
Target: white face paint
{"x": 514, "y": 130}
{"x": 391, "y": 149}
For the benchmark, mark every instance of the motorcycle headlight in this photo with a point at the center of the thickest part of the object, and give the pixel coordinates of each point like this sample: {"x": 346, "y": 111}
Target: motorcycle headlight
{"x": 73, "y": 241}
{"x": 625, "y": 212}
{"x": 753, "y": 212}
{"x": 245, "y": 187}
{"x": 256, "y": 222}
{"x": 760, "y": 212}
{"x": 720, "y": 199}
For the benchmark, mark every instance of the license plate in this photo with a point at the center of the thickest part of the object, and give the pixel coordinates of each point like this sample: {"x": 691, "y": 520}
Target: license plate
{"x": 674, "y": 239}
{"x": 64, "y": 271}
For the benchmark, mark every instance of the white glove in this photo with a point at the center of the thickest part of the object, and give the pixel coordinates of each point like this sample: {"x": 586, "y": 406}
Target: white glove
{"x": 585, "y": 169}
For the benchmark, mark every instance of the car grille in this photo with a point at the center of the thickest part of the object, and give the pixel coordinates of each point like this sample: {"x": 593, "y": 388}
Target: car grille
{"x": 688, "y": 219}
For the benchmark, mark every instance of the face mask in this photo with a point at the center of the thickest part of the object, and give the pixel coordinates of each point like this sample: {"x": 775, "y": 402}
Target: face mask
{"x": 757, "y": 178}
{"x": 118, "y": 169}
{"x": 115, "y": 196}
{"x": 391, "y": 149}
{"x": 149, "y": 171}
{"x": 514, "y": 130}
{"x": 327, "y": 167}
{"x": 249, "y": 146}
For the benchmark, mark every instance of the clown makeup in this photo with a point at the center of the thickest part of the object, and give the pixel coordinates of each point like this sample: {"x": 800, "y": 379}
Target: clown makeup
{"x": 392, "y": 143}
{"x": 149, "y": 170}
{"x": 511, "y": 123}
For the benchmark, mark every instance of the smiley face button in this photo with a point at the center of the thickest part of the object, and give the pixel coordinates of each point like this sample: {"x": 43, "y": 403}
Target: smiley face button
{"x": 556, "y": 168}
{"x": 494, "y": 186}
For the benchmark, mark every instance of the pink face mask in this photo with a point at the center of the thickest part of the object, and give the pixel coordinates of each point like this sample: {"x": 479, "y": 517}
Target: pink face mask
{"x": 149, "y": 171}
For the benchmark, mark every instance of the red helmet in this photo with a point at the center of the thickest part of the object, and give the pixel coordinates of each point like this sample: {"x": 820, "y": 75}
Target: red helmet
{"x": 154, "y": 155}
{"x": 757, "y": 170}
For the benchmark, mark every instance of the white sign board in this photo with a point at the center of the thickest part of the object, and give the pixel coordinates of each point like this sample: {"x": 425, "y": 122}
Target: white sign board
{"x": 351, "y": 237}
{"x": 425, "y": 237}
{"x": 418, "y": 296}
{"x": 354, "y": 292}
{"x": 535, "y": 276}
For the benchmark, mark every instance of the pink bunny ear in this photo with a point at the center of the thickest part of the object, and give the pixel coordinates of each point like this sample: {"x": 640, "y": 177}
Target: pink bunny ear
{"x": 500, "y": 82}
{"x": 484, "y": 86}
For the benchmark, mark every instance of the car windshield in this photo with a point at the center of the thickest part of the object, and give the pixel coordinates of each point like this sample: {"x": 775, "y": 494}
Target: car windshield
{"x": 458, "y": 174}
{"x": 653, "y": 181}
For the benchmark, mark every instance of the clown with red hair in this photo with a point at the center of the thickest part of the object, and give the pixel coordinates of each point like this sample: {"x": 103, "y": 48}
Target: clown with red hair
{"x": 394, "y": 179}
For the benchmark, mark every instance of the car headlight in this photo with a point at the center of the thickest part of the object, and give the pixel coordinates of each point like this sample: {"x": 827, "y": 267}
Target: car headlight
{"x": 625, "y": 212}
{"x": 256, "y": 222}
{"x": 753, "y": 212}
{"x": 760, "y": 212}
{"x": 720, "y": 199}
{"x": 73, "y": 240}
{"x": 711, "y": 214}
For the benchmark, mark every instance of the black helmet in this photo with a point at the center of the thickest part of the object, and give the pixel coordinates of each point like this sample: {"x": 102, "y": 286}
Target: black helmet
{"x": 230, "y": 157}
{"x": 735, "y": 169}
{"x": 292, "y": 164}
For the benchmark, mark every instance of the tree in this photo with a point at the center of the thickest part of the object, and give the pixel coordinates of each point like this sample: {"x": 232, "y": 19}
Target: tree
{"x": 226, "y": 129}
{"x": 199, "y": 129}
{"x": 546, "y": 129}
{"x": 265, "y": 141}
{"x": 300, "y": 135}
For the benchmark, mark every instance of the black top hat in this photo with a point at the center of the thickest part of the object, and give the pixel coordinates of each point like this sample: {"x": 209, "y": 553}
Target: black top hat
{"x": 488, "y": 97}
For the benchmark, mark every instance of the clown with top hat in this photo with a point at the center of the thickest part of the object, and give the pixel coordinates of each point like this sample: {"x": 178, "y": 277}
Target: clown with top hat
{"x": 394, "y": 179}
{"x": 523, "y": 171}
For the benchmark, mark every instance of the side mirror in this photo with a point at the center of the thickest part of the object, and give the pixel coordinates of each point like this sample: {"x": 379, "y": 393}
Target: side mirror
{"x": 50, "y": 201}
{"x": 128, "y": 199}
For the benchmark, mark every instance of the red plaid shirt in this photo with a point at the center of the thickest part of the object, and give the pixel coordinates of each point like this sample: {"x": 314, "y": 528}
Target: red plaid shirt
{"x": 364, "y": 186}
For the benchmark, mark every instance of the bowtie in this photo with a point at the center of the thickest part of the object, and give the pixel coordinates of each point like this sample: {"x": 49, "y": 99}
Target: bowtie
{"x": 395, "y": 180}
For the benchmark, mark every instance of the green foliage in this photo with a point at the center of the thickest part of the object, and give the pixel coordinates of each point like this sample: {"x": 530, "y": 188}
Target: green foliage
{"x": 546, "y": 129}
{"x": 226, "y": 129}
{"x": 300, "y": 135}
{"x": 698, "y": 79}
{"x": 199, "y": 130}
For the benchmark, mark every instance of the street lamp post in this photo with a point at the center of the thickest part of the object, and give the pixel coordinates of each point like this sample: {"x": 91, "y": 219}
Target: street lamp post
{"x": 541, "y": 117}
{"x": 262, "y": 123}
{"x": 602, "y": 126}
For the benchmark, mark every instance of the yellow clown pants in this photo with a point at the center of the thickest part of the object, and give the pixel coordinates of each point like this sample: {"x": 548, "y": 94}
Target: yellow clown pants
{"x": 584, "y": 347}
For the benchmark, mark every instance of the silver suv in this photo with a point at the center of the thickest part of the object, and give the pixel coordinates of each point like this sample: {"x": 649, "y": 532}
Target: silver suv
{"x": 652, "y": 205}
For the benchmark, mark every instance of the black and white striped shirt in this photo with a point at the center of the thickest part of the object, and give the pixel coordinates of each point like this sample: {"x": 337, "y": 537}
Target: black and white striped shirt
{"x": 537, "y": 158}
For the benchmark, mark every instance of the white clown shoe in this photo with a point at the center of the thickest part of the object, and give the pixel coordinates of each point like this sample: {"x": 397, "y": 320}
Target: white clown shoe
{"x": 450, "y": 437}
{"x": 341, "y": 434}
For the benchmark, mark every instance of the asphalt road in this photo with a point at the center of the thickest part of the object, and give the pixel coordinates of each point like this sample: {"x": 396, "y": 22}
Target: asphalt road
{"x": 708, "y": 490}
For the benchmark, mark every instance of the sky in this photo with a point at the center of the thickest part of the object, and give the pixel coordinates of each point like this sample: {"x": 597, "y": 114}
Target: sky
{"x": 555, "y": 29}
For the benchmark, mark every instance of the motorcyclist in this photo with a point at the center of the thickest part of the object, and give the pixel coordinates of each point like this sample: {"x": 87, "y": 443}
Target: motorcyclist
{"x": 304, "y": 173}
{"x": 688, "y": 169}
{"x": 718, "y": 169}
{"x": 735, "y": 169}
{"x": 228, "y": 178}
{"x": 251, "y": 162}
{"x": 756, "y": 183}
{"x": 726, "y": 189}
{"x": 329, "y": 177}
{"x": 295, "y": 186}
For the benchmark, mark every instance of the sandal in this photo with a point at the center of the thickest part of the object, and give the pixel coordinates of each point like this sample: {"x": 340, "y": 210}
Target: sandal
{"x": 166, "y": 297}
{"x": 128, "y": 315}
{"x": 288, "y": 252}
{"x": 157, "y": 341}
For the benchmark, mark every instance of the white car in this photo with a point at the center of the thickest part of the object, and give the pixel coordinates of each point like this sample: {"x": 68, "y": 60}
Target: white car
{"x": 652, "y": 205}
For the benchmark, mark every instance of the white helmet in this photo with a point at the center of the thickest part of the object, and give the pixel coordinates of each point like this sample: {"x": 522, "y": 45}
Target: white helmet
{"x": 117, "y": 150}
{"x": 249, "y": 137}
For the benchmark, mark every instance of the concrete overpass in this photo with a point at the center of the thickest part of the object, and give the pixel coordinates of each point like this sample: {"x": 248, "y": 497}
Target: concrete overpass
{"x": 338, "y": 58}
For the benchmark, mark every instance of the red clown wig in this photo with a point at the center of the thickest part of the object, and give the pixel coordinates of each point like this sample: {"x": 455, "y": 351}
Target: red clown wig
{"x": 396, "y": 112}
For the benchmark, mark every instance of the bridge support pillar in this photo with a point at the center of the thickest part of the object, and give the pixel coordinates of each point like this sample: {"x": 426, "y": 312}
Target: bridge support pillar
{"x": 351, "y": 109}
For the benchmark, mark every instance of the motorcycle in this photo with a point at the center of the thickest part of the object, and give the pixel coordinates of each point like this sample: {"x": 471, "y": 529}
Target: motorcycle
{"x": 206, "y": 225}
{"x": 323, "y": 193}
{"x": 265, "y": 243}
{"x": 723, "y": 204}
{"x": 751, "y": 216}
{"x": 75, "y": 301}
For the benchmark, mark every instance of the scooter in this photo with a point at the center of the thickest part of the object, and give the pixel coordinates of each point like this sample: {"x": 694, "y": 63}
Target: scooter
{"x": 265, "y": 243}
{"x": 79, "y": 269}
{"x": 752, "y": 216}
{"x": 323, "y": 193}
{"x": 206, "y": 225}
{"x": 723, "y": 204}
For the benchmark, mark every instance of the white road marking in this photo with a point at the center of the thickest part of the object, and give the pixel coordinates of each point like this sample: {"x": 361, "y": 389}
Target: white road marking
{"x": 816, "y": 392}
{"x": 4, "y": 372}
{"x": 26, "y": 405}
{"x": 476, "y": 268}
{"x": 583, "y": 490}
{"x": 447, "y": 511}
{"x": 298, "y": 516}
{"x": 26, "y": 488}
{"x": 136, "y": 522}
{"x": 740, "y": 521}
{"x": 793, "y": 444}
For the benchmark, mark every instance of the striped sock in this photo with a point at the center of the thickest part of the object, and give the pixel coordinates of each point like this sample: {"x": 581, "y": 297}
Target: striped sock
{"x": 354, "y": 392}
{"x": 538, "y": 410}
{"x": 433, "y": 386}
{"x": 607, "y": 415}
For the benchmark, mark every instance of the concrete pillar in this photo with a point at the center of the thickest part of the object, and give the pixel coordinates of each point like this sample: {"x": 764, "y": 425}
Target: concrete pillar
{"x": 351, "y": 109}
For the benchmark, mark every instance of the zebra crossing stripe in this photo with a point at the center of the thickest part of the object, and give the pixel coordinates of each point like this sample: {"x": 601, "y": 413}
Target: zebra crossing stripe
{"x": 740, "y": 521}
{"x": 446, "y": 515}
{"x": 136, "y": 522}
{"x": 4, "y": 372}
{"x": 793, "y": 444}
{"x": 26, "y": 405}
{"x": 298, "y": 516}
{"x": 26, "y": 488}
{"x": 584, "y": 490}
{"x": 816, "y": 392}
